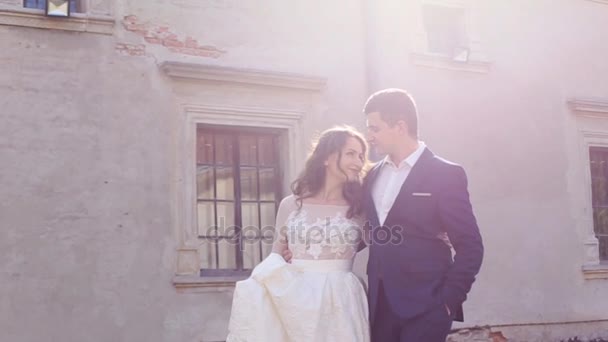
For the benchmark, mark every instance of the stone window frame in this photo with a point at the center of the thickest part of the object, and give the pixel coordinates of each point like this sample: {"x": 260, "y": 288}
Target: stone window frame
{"x": 477, "y": 61}
{"x": 585, "y": 109}
{"x": 287, "y": 117}
{"x": 96, "y": 17}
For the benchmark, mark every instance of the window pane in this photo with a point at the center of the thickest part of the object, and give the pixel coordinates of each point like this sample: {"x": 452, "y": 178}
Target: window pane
{"x": 207, "y": 254}
{"x": 223, "y": 150}
{"x": 268, "y": 184}
{"x": 268, "y": 216}
{"x": 601, "y": 221}
{"x": 227, "y": 253}
{"x": 206, "y": 219}
{"x": 249, "y": 183}
{"x": 41, "y": 4}
{"x": 204, "y": 147}
{"x": 268, "y": 212}
{"x": 74, "y": 6}
{"x": 250, "y": 234}
{"x": 599, "y": 176}
{"x": 204, "y": 182}
{"x": 266, "y": 247}
{"x": 248, "y": 150}
{"x": 225, "y": 219}
{"x": 251, "y": 253}
{"x": 267, "y": 151}
{"x": 249, "y": 215}
{"x": 224, "y": 182}
{"x": 603, "y": 247}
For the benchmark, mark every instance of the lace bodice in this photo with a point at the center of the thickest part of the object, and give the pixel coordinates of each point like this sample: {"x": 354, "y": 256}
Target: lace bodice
{"x": 318, "y": 231}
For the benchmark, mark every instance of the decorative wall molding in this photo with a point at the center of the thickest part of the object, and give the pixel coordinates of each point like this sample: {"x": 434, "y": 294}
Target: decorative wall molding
{"x": 206, "y": 72}
{"x": 242, "y": 113}
{"x": 595, "y": 108}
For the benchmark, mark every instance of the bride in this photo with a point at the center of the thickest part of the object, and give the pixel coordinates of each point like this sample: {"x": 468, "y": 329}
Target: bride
{"x": 316, "y": 297}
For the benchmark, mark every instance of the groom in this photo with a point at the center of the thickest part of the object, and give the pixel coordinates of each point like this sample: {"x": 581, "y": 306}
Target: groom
{"x": 418, "y": 207}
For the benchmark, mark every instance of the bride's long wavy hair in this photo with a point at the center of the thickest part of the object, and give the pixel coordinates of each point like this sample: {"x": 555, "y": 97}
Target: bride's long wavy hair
{"x": 312, "y": 178}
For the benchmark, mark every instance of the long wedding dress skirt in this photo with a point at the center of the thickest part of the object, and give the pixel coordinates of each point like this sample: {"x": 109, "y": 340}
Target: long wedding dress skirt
{"x": 307, "y": 301}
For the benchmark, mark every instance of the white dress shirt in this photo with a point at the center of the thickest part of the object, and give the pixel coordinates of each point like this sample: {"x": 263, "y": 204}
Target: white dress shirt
{"x": 390, "y": 179}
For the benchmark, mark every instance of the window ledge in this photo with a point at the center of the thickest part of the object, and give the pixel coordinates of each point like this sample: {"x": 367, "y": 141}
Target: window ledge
{"x": 597, "y": 271}
{"x": 443, "y": 62}
{"x": 195, "y": 283}
{"x": 78, "y": 22}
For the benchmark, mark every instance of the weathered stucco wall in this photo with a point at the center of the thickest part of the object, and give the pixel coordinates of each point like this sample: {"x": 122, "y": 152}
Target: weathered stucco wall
{"x": 88, "y": 249}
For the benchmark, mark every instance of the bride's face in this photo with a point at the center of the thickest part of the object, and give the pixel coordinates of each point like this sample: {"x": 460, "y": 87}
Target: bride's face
{"x": 346, "y": 165}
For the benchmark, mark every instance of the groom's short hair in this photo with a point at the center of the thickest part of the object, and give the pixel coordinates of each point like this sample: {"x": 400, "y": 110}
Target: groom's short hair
{"x": 393, "y": 105}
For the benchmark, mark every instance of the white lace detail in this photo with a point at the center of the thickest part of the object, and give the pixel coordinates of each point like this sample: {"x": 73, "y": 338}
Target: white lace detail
{"x": 326, "y": 237}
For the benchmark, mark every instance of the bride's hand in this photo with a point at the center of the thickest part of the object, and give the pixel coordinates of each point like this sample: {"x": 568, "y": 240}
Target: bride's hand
{"x": 287, "y": 255}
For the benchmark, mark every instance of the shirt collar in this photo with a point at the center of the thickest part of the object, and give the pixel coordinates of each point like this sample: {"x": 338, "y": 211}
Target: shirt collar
{"x": 411, "y": 160}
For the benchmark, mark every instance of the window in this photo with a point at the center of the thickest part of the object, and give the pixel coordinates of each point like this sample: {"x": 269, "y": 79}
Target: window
{"x": 291, "y": 97}
{"x": 92, "y": 16}
{"x": 238, "y": 190}
{"x": 447, "y": 36}
{"x": 589, "y": 180}
{"x": 598, "y": 157}
{"x": 445, "y": 30}
{"x": 41, "y": 4}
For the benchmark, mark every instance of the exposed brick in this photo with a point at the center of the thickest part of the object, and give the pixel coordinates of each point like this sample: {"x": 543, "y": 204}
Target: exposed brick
{"x": 210, "y": 48}
{"x": 152, "y": 40}
{"x": 150, "y": 34}
{"x": 131, "y": 49}
{"x": 191, "y": 43}
{"x": 161, "y": 35}
{"x": 195, "y": 52}
{"x": 130, "y": 19}
{"x": 207, "y": 53}
{"x": 477, "y": 334}
{"x": 497, "y": 336}
{"x": 173, "y": 43}
{"x": 136, "y": 27}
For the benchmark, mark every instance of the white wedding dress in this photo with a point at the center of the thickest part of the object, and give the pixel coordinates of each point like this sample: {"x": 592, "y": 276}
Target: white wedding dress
{"x": 316, "y": 298}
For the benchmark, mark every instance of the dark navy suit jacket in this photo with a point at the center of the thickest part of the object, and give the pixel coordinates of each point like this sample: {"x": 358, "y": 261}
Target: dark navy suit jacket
{"x": 415, "y": 267}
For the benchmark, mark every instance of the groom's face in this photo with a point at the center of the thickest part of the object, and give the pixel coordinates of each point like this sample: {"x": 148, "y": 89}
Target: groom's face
{"x": 381, "y": 135}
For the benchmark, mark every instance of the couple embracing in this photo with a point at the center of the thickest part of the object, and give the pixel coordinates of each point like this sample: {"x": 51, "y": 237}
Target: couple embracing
{"x": 411, "y": 209}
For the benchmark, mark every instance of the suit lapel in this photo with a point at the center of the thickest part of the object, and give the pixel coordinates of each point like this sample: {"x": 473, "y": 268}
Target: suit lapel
{"x": 416, "y": 176}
